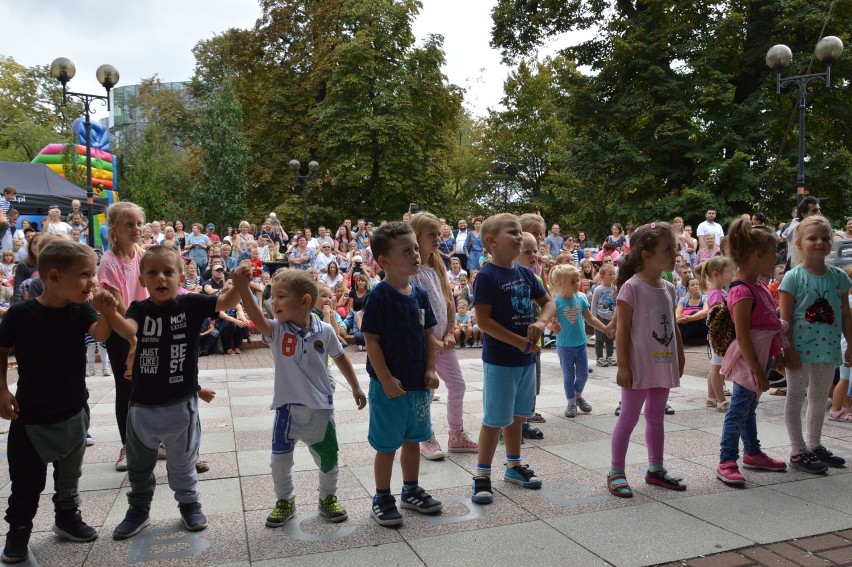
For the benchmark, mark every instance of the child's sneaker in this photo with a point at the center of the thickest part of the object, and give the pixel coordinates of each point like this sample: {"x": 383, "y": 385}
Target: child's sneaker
{"x": 729, "y": 473}
{"x": 121, "y": 463}
{"x": 283, "y": 511}
{"x": 460, "y": 442}
{"x": 571, "y": 410}
{"x": 420, "y": 500}
{"x": 161, "y": 452}
{"x": 89, "y": 439}
{"x": 808, "y": 462}
{"x": 17, "y": 544}
{"x": 763, "y": 461}
{"x": 70, "y": 525}
{"x": 134, "y": 522}
{"x": 523, "y": 476}
{"x": 481, "y": 492}
{"x": 192, "y": 516}
{"x": 90, "y": 371}
{"x": 828, "y": 457}
{"x": 106, "y": 371}
{"x": 431, "y": 450}
{"x": 584, "y": 405}
{"x": 331, "y": 508}
{"x": 384, "y": 510}
{"x": 611, "y": 360}
{"x": 602, "y": 362}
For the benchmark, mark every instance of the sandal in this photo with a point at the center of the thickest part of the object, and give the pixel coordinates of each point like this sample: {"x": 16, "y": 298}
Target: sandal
{"x": 669, "y": 410}
{"x": 724, "y": 406}
{"x": 710, "y": 403}
{"x": 622, "y": 489}
{"x": 230, "y": 352}
{"x": 529, "y": 432}
{"x": 726, "y": 391}
{"x": 778, "y": 392}
{"x": 536, "y": 418}
{"x": 659, "y": 478}
{"x": 840, "y": 415}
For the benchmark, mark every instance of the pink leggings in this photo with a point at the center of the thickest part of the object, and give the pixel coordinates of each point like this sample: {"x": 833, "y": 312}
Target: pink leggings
{"x": 448, "y": 369}
{"x": 654, "y": 400}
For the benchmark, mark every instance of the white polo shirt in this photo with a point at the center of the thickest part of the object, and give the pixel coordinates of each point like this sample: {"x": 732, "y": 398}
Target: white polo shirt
{"x": 301, "y": 364}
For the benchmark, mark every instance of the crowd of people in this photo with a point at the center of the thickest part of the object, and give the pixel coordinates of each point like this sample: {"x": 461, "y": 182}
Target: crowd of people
{"x": 410, "y": 293}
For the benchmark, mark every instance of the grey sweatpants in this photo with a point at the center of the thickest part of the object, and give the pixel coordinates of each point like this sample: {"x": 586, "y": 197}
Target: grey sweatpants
{"x": 178, "y": 428}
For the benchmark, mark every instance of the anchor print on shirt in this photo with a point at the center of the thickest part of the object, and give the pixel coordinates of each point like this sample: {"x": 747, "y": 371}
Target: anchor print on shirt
{"x": 666, "y": 338}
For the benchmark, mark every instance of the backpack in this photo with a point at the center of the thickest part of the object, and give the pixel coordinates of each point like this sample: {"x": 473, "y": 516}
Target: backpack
{"x": 720, "y": 325}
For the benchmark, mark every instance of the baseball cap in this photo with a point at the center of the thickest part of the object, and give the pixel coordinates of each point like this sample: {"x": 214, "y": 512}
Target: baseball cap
{"x": 211, "y": 225}
{"x": 219, "y": 268}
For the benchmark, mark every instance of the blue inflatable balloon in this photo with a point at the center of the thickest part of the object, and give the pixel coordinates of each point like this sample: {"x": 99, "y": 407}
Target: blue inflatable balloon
{"x": 99, "y": 134}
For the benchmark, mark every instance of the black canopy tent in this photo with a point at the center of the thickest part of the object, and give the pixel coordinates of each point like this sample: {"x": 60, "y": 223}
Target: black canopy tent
{"x": 39, "y": 188}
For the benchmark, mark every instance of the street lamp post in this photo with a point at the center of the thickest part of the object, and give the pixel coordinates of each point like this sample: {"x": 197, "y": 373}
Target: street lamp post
{"x": 301, "y": 175}
{"x": 778, "y": 58}
{"x": 63, "y": 70}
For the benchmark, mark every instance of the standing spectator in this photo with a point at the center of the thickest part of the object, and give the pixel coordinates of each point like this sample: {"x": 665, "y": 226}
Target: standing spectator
{"x": 687, "y": 243}
{"x": 807, "y": 207}
{"x": 554, "y": 241}
{"x": 55, "y": 223}
{"x": 709, "y": 249}
{"x": 75, "y": 208}
{"x": 474, "y": 246}
{"x": 446, "y": 245}
{"x": 617, "y": 239}
{"x": 180, "y": 235}
{"x": 301, "y": 256}
{"x": 709, "y": 226}
{"x": 211, "y": 229}
{"x": 9, "y": 193}
{"x": 461, "y": 236}
{"x": 196, "y": 246}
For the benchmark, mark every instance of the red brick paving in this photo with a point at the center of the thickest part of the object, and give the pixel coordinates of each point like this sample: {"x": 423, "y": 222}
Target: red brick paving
{"x": 817, "y": 551}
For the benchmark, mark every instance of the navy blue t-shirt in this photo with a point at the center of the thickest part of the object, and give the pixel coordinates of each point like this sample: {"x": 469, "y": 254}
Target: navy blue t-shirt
{"x": 510, "y": 293}
{"x": 400, "y": 321}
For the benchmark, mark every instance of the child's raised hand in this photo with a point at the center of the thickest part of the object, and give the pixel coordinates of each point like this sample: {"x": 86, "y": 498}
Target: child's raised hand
{"x": 241, "y": 276}
{"x": 104, "y": 301}
{"x": 431, "y": 380}
{"x": 393, "y": 388}
{"x": 9, "y": 408}
{"x": 360, "y": 398}
{"x": 624, "y": 377}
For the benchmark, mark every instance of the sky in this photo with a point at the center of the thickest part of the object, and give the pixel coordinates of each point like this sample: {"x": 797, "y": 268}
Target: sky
{"x": 151, "y": 37}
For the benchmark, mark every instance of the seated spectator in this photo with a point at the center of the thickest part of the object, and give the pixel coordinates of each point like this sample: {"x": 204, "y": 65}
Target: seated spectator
{"x": 710, "y": 249}
{"x": 691, "y": 313}
{"x": 216, "y": 283}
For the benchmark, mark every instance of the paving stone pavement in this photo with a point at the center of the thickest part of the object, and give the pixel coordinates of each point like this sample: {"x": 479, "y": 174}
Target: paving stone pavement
{"x": 776, "y": 519}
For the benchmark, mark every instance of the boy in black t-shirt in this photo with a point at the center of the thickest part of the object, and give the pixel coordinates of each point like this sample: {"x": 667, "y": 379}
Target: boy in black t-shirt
{"x": 163, "y": 399}
{"x": 397, "y": 326}
{"x": 49, "y": 420}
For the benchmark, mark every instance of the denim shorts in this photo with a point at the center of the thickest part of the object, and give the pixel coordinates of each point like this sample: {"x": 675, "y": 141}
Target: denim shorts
{"x": 507, "y": 392}
{"x": 406, "y": 419}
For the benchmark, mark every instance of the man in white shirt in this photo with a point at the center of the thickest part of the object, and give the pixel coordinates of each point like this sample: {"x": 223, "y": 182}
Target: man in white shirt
{"x": 461, "y": 236}
{"x": 710, "y": 226}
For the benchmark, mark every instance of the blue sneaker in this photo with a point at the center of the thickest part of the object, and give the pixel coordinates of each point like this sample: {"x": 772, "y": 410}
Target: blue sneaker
{"x": 419, "y": 500}
{"x": 481, "y": 492}
{"x": 522, "y": 475}
{"x": 192, "y": 516}
{"x": 134, "y": 522}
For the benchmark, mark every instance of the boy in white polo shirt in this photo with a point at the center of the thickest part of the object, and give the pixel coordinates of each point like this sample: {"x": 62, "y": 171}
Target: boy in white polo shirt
{"x": 303, "y": 396}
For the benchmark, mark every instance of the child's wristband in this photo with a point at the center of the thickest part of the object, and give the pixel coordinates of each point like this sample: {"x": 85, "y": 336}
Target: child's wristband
{"x": 527, "y": 349}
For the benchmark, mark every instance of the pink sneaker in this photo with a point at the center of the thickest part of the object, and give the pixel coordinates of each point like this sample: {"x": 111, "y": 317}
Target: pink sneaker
{"x": 729, "y": 473}
{"x": 431, "y": 450}
{"x": 460, "y": 442}
{"x": 763, "y": 461}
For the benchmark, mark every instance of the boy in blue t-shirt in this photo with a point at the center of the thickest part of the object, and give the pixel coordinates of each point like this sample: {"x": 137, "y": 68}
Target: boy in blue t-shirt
{"x": 504, "y": 293}
{"x": 397, "y": 325}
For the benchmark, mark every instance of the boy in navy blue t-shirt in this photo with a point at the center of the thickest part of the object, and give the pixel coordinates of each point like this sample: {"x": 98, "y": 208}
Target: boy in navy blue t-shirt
{"x": 505, "y": 293}
{"x": 397, "y": 326}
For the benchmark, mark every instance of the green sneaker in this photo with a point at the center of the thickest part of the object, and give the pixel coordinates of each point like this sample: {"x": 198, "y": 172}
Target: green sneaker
{"x": 332, "y": 509}
{"x": 282, "y": 512}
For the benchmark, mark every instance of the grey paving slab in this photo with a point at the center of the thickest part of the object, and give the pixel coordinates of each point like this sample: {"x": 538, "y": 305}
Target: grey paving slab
{"x": 504, "y": 545}
{"x": 606, "y": 424}
{"x": 598, "y": 454}
{"x": 220, "y": 496}
{"x": 829, "y": 491}
{"x": 770, "y": 434}
{"x": 626, "y": 537}
{"x": 262, "y": 401}
{"x": 433, "y": 475}
{"x": 749, "y": 512}
{"x": 218, "y": 442}
{"x": 257, "y": 462}
{"x": 255, "y": 423}
{"x": 207, "y": 413}
{"x": 391, "y": 554}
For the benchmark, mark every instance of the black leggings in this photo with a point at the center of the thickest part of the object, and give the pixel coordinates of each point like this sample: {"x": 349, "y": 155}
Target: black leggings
{"x": 117, "y": 348}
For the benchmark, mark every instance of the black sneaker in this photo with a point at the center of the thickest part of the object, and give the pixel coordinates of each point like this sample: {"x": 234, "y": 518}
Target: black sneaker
{"x": 384, "y": 510}
{"x": 70, "y": 525}
{"x": 584, "y": 406}
{"x": 481, "y": 492}
{"x": 134, "y": 522}
{"x": 17, "y": 544}
{"x": 420, "y": 500}
{"x": 828, "y": 457}
{"x": 192, "y": 516}
{"x": 808, "y": 462}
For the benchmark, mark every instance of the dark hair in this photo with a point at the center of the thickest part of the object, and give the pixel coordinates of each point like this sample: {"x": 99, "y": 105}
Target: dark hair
{"x": 645, "y": 239}
{"x": 761, "y": 218}
{"x": 384, "y": 236}
{"x": 805, "y": 205}
{"x": 297, "y": 281}
{"x": 744, "y": 239}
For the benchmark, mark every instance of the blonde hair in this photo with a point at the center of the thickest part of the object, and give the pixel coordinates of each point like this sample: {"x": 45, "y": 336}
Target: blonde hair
{"x": 116, "y": 213}
{"x": 812, "y": 221}
{"x": 529, "y": 220}
{"x": 492, "y": 226}
{"x": 58, "y": 252}
{"x": 559, "y": 274}
{"x": 418, "y": 223}
{"x": 710, "y": 266}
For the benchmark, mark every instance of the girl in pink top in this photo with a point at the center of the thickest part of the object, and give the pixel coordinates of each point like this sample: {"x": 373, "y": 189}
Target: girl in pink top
{"x": 758, "y": 341}
{"x": 649, "y": 354}
{"x": 714, "y": 276}
{"x": 119, "y": 274}
{"x": 433, "y": 278}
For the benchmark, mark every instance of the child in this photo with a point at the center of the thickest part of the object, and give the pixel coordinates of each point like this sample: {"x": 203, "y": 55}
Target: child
{"x": 398, "y": 326}
{"x": 193, "y": 281}
{"x": 572, "y": 312}
{"x": 464, "y": 326}
{"x": 432, "y": 277}
{"x": 603, "y": 307}
{"x": 7, "y": 267}
{"x": 814, "y": 304}
{"x": 303, "y": 392}
{"x": 759, "y": 335}
{"x": 164, "y": 396}
{"x": 840, "y": 403}
{"x": 50, "y": 428}
{"x": 650, "y": 353}
{"x": 777, "y": 278}
{"x": 505, "y": 293}
{"x": 714, "y": 275}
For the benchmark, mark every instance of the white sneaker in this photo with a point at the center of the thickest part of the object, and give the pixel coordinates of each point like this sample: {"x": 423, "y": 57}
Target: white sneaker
{"x": 602, "y": 362}
{"x": 106, "y": 371}
{"x": 90, "y": 371}
{"x": 612, "y": 361}
{"x": 431, "y": 450}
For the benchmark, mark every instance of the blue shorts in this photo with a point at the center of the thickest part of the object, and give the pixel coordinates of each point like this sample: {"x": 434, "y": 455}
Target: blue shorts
{"x": 406, "y": 419}
{"x": 507, "y": 392}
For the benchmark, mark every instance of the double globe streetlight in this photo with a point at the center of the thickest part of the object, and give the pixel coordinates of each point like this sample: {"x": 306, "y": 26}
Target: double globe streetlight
{"x": 778, "y": 58}
{"x": 301, "y": 173}
{"x": 63, "y": 70}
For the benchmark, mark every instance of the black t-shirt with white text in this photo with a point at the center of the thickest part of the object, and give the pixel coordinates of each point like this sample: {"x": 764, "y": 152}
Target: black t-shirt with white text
{"x": 166, "y": 364}
{"x": 50, "y": 348}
